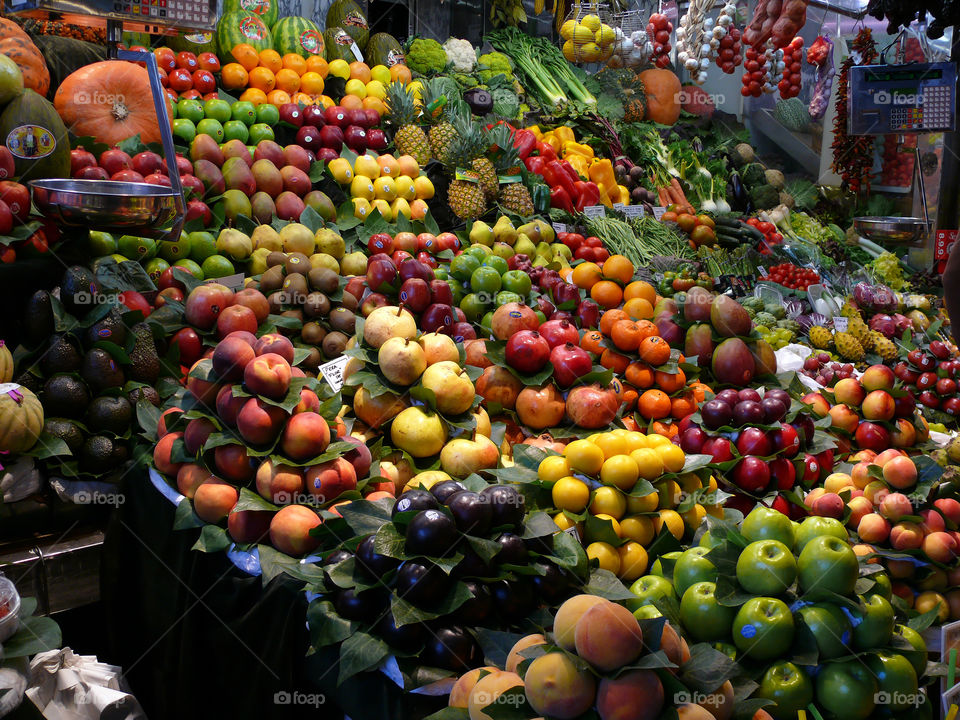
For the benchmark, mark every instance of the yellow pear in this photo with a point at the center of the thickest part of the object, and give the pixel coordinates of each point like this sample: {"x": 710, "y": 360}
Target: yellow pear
{"x": 481, "y": 234}
{"x": 504, "y": 231}
{"x": 258, "y": 262}
{"x": 330, "y": 242}
{"x": 265, "y": 236}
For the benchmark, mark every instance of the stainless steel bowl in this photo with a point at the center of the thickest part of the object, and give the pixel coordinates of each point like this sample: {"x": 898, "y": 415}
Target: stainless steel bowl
{"x": 105, "y": 204}
{"x": 903, "y": 230}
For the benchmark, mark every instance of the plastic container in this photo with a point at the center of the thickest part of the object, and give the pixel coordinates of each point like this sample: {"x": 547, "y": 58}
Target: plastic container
{"x": 9, "y": 597}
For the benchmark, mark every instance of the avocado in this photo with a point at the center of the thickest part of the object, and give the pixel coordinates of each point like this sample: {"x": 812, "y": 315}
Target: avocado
{"x": 66, "y": 396}
{"x": 66, "y": 431}
{"x": 144, "y": 393}
{"x": 144, "y": 362}
{"x": 100, "y": 371}
{"x": 38, "y": 318}
{"x": 109, "y": 414}
{"x": 79, "y": 290}
{"x": 110, "y": 329}
{"x": 121, "y": 453}
{"x": 31, "y": 382}
{"x": 62, "y": 355}
{"x": 96, "y": 455}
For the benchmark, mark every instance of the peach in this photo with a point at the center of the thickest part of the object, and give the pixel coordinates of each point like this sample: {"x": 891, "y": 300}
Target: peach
{"x": 255, "y": 300}
{"x": 162, "y": 454}
{"x": 499, "y": 385}
{"x": 900, "y": 472}
{"x": 331, "y": 479}
{"x": 259, "y": 423}
{"x": 196, "y": 434}
{"x": 205, "y": 303}
{"x": 249, "y": 526}
{"x": 849, "y": 391}
{"x": 233, "y": 463}
{"x": 162, "y": 422}
{"x": 230, "y": 357}
{"x": 567, "y": 617}
{"x": 878, "y": 405}
{"x": 886, "y": 456}
{"x": 608, "y": 636}
{"x": 203, "y": 390}
{"x": 268, "y": 375}
{"x": 719, "y": 703}
{"x": 634, "y": 695}
{"x": 829, "y": 505}
{"x": 900, "y": 569}
{"x": 279, "y": 483}
{"x": 306, "y": 436}
{"x": 557, "y": 687}
{"x": 689, "y": 711}
{"x": 514, "y": 658}
{"x": 813, "y": 496}
{"x": 904, "y": 592}
{"x": 876, "y": 491}
{"x": 190, "y": 477}
{"x": 378, "y": 495}
{"x": 878, "y": 377}
{"x": 674, "y": 646}
{"x": 360, "y": 457}
{"x": 953, "y": 577}
{"x": 290, "y": 530}
{"x": 932, "y": 521}
{"x": 906, "y": 536}
{"x": 460, "y": 692}
{"x": 214, "y": 500}
{"x": 276, "y": 344}
{"x": 860, "y": 474}
{"x": 953, "y": 602}
{"x": 863, "y": 456}
{"x": 927, "y": 601}
{"x": 309, "y": 402}
{"x": 939, "y": 547}
{"x": 922, "y": 427}
{"x": 860, "y": 507}
{"x": 835, "y": 482}
{"x": 819, "y": 403}
{"x": 229, "y": 405}
{"x": 862, "y": 550}
{"x": 950, "y": 509}
{"x": 844, "y": 418}
{"x": 873, "y": 528}
{"x": 236, "y": 317}
{"x": 895, "y": 505}
{"x": 248, "y": 337}
{"x": 935, "y": 579}
{"x": 872, "y": 436}
{"x": 488, "y": 690}
{"x": 905, "y": 434}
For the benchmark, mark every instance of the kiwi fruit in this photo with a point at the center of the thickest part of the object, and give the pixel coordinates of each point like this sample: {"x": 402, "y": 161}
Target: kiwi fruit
{"x": 349, "y": 302}
{"x": 334, "y": 344}
{"x": 324, "y": 279}
{"x": 313, "y": 360}
{"x": 312, "y": 333}
{"x": 316, "y": 305}
{"x": 272, "y": 279}
{"x": 297, "y": 262}
{"x": 276, "y": 258}
{"x": 295, "y": 288}
{"x": 343, "y": 320}
{"x": 276, "y": 301}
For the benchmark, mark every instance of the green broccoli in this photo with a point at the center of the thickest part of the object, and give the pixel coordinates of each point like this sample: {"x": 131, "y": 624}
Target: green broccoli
{"x": 426, "y": 57}
{"x": 465, "y": 81}
{"x": 753, "y": 175}
{"x": 492, "y": 64}
{"x": 764, "y": 197}
{"x": 505, "y": 103}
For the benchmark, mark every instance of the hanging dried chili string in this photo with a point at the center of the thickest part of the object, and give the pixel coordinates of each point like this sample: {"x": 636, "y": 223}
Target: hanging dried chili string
{"x": 853, "y": 154}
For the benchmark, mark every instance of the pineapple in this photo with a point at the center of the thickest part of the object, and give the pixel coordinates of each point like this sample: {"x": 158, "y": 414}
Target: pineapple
{"x": 484, "y": 167}
{"x": 514, "y": 196}
{"x": 883, "y": 346}
{"x": 442, "y": 132}
{"x": 408, "y": 137}
{"x": 848, "y": 347}
{"x": 465, "y": 197}
{"x": 820, "y": 337}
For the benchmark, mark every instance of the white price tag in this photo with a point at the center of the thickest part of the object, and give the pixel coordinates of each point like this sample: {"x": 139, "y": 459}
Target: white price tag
{"x": 355, "y": 49}
{"x": 658, "y": 212}
{"x": 619, "y": 207}
{"x": 572, "y": 531}
{"x": 594, "y": 211}
{"x": 234, "y": 282}
{"x": 763, "y": 270}
{"x": 333, "y": 372}
{"x": 633, "y": 211}
{"x": 559, "y": 227}
{"x": 840, "y": 323}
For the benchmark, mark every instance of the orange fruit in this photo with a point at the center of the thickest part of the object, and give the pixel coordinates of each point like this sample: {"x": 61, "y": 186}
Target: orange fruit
{"x": 700, "y": 391}
{"x": 327, "y": 101}
{"x": 316, "y": 63}
{"x": 288, "y": 81}
{"x": 312, "y": 82}
{"x": 565, "y": 273}
{"x": 586, "y": 275}
{"x": 647, "y": 329}
{"x": 615, "y": 361}
{"x": 592, "y": 342}
{"x": 409, "y": 166}
{"x": 617, "y": 267}
{"x": 257, "y": 97}
{"x": 626, "y": 335}
{"x": 294, "y": 62}
{"x": 400, "y": 72}
{"x": 246, "y": 55}
{"x": 639, "y": 374}
{"x": 640, "y": 289}
{"x": 654, "y": 404}
{"x": 262, "y": 78}
{"x": 683, "y": 405}
{"x": 668, "y": 430}
{"x": 638, "y": 309}
{"x": 654, "y": 351}
{"x": 360, "y": 71}
{"x": 271, "y": 59}
{"x": 374, "y": 103}
{"x": 278, "y": 97}
{"x": 670, "y": 382}
{"x": 301, "y": 98}
{"x": 606, "y": 293}
{"x": 351, "y": 102}
{"x": 610, "y": 317}
{"x": 233, "y": 76}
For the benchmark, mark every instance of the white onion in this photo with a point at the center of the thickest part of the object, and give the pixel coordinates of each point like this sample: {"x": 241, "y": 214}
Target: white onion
{"x": 681, "y": 33}
{"x": 714, "y": 44}
{"x": 691, "y": 65}
{"x": 682, "y": 57}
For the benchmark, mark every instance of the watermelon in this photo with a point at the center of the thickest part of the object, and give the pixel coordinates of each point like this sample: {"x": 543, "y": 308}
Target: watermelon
{"x": 241, "y": 27}
{"x": 33, "y": 132}
{"x": 337, "y": 45}
{"x": 346, "y": 14}
{"x": 792, "y": 114}
{"x": 195, "y": 42}
{"x": 266, "y": 10}
{"x": 384, "y": 49}
{"x": 297, "y": 35}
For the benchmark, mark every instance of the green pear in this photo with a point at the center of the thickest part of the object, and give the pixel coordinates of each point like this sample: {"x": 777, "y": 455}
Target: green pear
{"x": 258, "y": 262}
{"x": 531, "y": 230}
{"x": 525, "y": 246}
{"x": 541, "y": 261}
{"x": 330, "y": 242}
{"x": 481, "y": 234}
{"x": 545, "y": 250}
{"x": 504, "y": 231}
{"x": 547, "y": 233}
{"x": 354, "y": 263}
{"x": 561, "y": 250}
{"x": 503, "y": 250}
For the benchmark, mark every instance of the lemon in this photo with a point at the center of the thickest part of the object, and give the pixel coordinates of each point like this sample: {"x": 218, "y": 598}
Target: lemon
{"x": 605, "y": 35}
{"x": 386, "y": 212}
{"x": 609, "y": 501}
{"x": 376, "y": 89}
{"x": 361, "y": 208}
{"x": 380, "y": 73}
{"x": 406, "y": 188}
{"x": 633, "y": 561}
{"x": 423, "y": 187}
{"x": 606, "y": 555}
{"x": 362, "y": 187}
{"x": 571, "y": 494}
{"x": 339, "y": 68}
{"x": 416, "y": 87}
{"x": 570, "y": 51}
{"x": 401, "y": 207}
{"x": 566, "y": 30}
{"x": 553, "y": 468}
{"x": 341, "y": 170}
{"x": 356, "y": 88}
{"x": 385, "y": 188}
{"x": 582, "y": 34}
{"x": 590, "y": 52}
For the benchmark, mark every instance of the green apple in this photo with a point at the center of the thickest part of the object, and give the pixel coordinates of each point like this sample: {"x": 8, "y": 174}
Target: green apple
{"x": 647, "y": 612}
{"x": 727, "y": 649}
{"x": 814, "y": 526}
{"x": 846, "y": 689}
{"x": 881, "y": 585}
{"x": 789, "y": 687}
{"x": 872, "y": 625}
{"x": 917, "y": 656}
{"x": 896, "y": 681}
{"x": 704, "y": 618}
{"x": 830, "y": 627}
{"x": 827, "y": 565}
{"x": 709, "y": 540}
{"x": 763, "y": 523}
{"x": 766, "y": 567}
{"x": 657, "y": 567}
{"x": 692, "y": 567}
{"x": 763, "y": 628}
{"x": 649, "y": 588}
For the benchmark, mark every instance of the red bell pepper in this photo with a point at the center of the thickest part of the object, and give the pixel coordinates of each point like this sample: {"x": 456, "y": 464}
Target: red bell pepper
{"x": 525, "y": 142}
{"x": 587, "y": 194}
{"x": 546, "y": 151}
{"x": 559, "y": 177}
{"x": 560, "y": 198}
{"x": 535, "y": 164}
{"x": 571, "y": 173}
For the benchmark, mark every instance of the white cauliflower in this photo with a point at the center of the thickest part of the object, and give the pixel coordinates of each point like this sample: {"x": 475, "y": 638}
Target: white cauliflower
{"x": 461, "y": 54}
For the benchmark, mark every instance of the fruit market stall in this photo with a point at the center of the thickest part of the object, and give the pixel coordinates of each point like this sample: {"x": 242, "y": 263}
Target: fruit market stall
{"x": 514, "y": 373}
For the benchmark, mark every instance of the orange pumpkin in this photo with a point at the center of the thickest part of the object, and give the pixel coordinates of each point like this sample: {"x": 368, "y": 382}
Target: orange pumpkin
{"x": 109, "y": 101}
{"x": 17, "y": 45}
{"x": 662, "y": 88}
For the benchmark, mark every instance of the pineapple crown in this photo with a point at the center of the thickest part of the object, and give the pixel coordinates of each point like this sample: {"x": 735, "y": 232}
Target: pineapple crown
{"x": 501, "y": 146}
{"x": 471, "y": 140}
{"x": 401, "y": 107}
{"x": 433, "y": 90}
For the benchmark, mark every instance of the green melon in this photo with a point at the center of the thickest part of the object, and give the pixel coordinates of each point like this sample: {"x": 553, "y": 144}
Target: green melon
{"x": 347, "y": 14}
{"x": 241, "y": 27}
{"x": 337, "y": 45}
{"x": 195, "y": 42}
{"x": 266, "y": 10}
{"x": 297, "y": 35}
{"x": 384, "y": 49}
{"x": 792, "y": 114}
{"x": 33, "y": 131}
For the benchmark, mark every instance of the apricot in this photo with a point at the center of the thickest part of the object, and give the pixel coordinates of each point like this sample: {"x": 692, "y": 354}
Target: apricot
{"x": 249, "y": 526}
{"x": 900, "y": 472}
{"x": 279, "y": 483}
{"x": 635, "y": 695}
{"x": 514, "y": 658}
{"x": 719, "y": 703}
{"x": 608, "y": 636}
{"x": 290, "y": 530}
{"x": 555, "y": 686}
{"x": 567, "y": 617}
{"x": 190, "y": 477}
{"x": 674, "y": 646}
{"x": 161, "y": 454}
{"x": 487, "y": 690}
{"x": 214, "y": 500}
{"x": 327, "y": 481}
{"x": 196, "y": 433}
{"x": 305, "y": 436}
{"x": 460, "y": 692}
{"x": 162, "y": 422}
{"x": 689, "y": 711}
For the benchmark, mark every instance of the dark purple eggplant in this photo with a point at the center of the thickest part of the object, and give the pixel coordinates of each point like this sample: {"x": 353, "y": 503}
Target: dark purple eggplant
{"x": 480, "y": 101}
{"x": 736, "y": 193}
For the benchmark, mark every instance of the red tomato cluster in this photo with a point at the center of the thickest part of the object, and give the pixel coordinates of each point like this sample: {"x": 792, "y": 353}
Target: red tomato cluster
{"x": 186, "y": 75}
{"x": 756, "y": 72}
{"x": 730, "y": 54}
{"x": 769, "y": 231}
{"x": 659, "y": 30}
{"x": 793, "y": 277}
{"x": 590, "y": 248}
{"x": 789, "y": 85}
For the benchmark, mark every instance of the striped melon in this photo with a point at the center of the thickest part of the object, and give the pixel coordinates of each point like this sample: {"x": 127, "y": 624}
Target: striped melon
{"x": 21, "y": 418}
{"x": 297, "y": 35}
{"x": 195, "y": 42}
{"x": 266, "y": 10}
{"x": 241, "y": 27}
{"x": 347, "y": 15}
{"x": 384, "y": 49}
{"x": 337, "y": 44}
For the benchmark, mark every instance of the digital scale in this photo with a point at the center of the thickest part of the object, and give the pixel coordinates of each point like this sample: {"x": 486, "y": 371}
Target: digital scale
{"x": 902, "y": 99}
{"x": 152, "y": 16}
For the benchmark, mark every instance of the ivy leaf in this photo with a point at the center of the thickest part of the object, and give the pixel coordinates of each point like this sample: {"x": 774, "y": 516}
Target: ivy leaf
{"x": 326, "y": 627}
{"x": 252, "y": 501}
{"x": 605, "y": 584}
{"x": 360, "y": 652}
{"x": 213, "y": 538}
{"x": 185, "y": 518}
{"x": 367, "y": 516}
{"x": 35, "y": 635}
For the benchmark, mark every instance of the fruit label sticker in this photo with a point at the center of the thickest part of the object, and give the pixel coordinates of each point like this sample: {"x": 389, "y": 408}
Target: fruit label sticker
{"x": 311, "y": 41}
{"x": 257, "y": 7}
{"x": 333, "y": 372}
{"x": 840, "y": 323}
{"x": 594, "y": 211}
{"x": 394, "y": 57}
{"x": 253, "y": 28}
{"x": 200, "y": 38}
{"x": 572, "y": 531}
{"x": 355, "y": 49}
{"x": 31, "y": 142}
{"x": 355, "y": 19}
{"x": 748, "y": 631}
{"x": 509, "y": 179}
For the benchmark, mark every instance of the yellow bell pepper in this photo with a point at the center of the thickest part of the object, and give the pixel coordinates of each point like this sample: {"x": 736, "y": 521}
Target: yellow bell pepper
{"x": 551, "y": 139}
{"x": 535, "y": 129}
{"x": 602, "y": 172}
{"x": 565, "y": 134}
{"x": 570, "y": 148}
{"x": 580, "y": 164}
{"x": 605, "y": 195}
{"x": 624, "y": 194}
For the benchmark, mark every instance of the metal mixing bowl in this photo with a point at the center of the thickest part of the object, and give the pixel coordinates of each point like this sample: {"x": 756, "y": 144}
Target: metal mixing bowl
{"x": 105, "y": 204}
{"x": 904, "y": 230}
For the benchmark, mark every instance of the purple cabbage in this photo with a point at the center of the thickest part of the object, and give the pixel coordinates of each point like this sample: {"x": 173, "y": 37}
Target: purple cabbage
{"x": 808, "y": 321}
